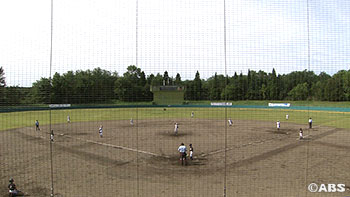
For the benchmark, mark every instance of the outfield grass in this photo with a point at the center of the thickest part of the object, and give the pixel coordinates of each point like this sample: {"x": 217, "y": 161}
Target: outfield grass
{"x": 24, "y": 119}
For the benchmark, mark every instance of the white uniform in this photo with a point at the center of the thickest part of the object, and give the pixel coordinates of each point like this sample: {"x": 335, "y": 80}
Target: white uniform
{"x": 68, "y": 119}
{"x": 287, "y": 117}
{"x": 176, "y": 129}
{"x": 131, "y": 121}
{"x": 51, "y": 136}
{"x": 191, "y": 152}
{"x": 278, "y": 125}
{"x": 230, "y": 123}
{"x": 100, "y": 131}
{"x": 192, "y": 114}
{"x": 301, "y": 134}
{"x": 182, "y": 149}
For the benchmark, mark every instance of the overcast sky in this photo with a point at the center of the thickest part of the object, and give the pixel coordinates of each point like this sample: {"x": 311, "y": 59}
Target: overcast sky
{"x": 180, "y": 36}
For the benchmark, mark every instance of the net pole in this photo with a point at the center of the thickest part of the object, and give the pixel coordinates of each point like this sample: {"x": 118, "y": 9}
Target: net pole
{"x": 308, "y": 110}
{"x": 50, "y": 113}
{"x": 225, "y": 64}
{"x": 137, "y": 118}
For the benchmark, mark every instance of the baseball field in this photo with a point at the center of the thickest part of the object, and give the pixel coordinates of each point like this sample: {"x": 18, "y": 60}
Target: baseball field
{"x": 249, "y": 158}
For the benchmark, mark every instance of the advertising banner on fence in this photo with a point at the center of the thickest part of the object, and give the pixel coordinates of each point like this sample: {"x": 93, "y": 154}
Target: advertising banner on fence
{"x": 279, "y": 104}
{"x": 59, "y": 105}
{"x": 221, "y": 104}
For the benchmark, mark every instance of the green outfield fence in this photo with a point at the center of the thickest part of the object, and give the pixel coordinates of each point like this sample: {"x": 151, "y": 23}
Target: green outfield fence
{"x": 304, "y": 108}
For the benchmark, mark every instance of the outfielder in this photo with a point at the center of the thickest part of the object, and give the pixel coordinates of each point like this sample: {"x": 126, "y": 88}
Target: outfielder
{"x": 182, "y": 150}
{"x": 192, "y": 114}
{"x": 68, "y": 119}
{"x": 100, "y": 131}
{"x": 287, "y": 117}
{"x": 176, "y": 128}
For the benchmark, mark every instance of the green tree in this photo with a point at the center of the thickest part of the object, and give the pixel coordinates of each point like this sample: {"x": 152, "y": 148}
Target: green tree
{"x": 150, "y": 78}
{"x": 300, "y": 92}
{"x": 41, "y": 91}
{"x": 166, "y": 78}
{"x": 2, "y": 86}
{"x": 132, "y": 86}
{"x": 197, "y": 87}
{"x": 15, "y": 95}
{"x": 178, "y": 79}
{"x": 157, "y": 80}
{"x": 214, "y": 91}
{"x": 272, "y": 86}
{"x": 2, "y": 77}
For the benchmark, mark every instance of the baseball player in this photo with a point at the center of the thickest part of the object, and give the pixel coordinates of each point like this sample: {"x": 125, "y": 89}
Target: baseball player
{"x": 182, "y": 150}
{"x": 51, "y": 136}
{"x": 191, "y": 152}
{"x": 68, "y": 119}
{"x": 37, "y": 128}
{"x": 278, "y": 124}
{"x": 287, "y": 117}
{"x": 176, "y": 128}
{"x": 230, "y": 122}
{"x": 192, "y": 114}
{"x": 301, "y": 134}
{"x": 13, "y": 189}
{"x": 100, "y": 131}
{"x": 310, "y": 123}
{"x": 131, "y": 121}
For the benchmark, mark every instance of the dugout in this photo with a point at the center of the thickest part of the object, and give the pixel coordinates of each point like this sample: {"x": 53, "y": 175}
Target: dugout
{"x": 168, "y": 95}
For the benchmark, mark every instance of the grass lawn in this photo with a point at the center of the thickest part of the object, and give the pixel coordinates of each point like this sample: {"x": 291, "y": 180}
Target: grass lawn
{"x": 24, "y": 119}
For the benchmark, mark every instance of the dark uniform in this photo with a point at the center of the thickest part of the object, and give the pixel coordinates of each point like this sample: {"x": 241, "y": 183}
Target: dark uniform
{"x": 37, "y": 125}
{"x": 191, "y": 152}
{"x": 12, "y": 188}
{"x": 310, "y": 123}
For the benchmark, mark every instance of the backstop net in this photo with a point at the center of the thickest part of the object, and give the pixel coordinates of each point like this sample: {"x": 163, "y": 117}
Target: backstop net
{"x": 103, "y": 98}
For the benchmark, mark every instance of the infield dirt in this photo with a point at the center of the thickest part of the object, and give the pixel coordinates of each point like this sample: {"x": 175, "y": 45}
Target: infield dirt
{"x": 142, "y": 159}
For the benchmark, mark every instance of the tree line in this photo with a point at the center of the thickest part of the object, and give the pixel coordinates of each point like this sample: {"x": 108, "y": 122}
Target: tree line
{"x": 102, "y": 86}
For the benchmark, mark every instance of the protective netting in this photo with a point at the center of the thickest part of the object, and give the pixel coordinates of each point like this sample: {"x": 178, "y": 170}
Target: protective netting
{"x": 97, "y": 97}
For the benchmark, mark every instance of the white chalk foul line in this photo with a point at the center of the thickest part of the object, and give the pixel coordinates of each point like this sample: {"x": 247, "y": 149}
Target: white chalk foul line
{"x": 115, "y": 146}
{"x": 239, "y": 146}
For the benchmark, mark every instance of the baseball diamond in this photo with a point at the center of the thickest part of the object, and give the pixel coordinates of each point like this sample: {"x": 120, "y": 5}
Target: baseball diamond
{"x": 144, "y": 155}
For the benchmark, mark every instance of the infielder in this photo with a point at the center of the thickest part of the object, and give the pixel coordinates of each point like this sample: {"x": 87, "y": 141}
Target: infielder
{"x": 310, "y": 123}
{"x": 230, "y": 122}
{"x": 100, "y": 131}
{"x": 131, "y": 121}
{"x": 37, "y": 128}
{"x": 182, "y": 150}
{"x": 176, "y": 128}
{"x": 301, "y": 134}
{"x": 278, "y": 124}
{"x": 13, "y": 189}
{"x": 191, "y": 152}
{"x": 192, "y": 114}
{"x": 51, "y": 136}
